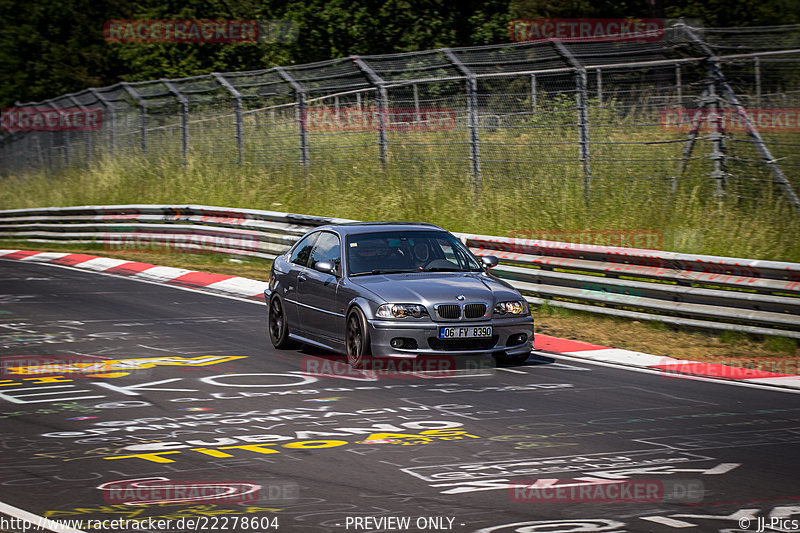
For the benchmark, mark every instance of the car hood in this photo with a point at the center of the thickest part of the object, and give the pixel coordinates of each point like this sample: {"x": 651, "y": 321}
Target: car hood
{"x": 437, "y": 287}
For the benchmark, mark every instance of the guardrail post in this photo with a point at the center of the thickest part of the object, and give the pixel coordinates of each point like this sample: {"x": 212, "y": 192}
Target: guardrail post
{"x": 472, "y": 113}
{"x": 142, "y": 113}
{"x": 184, "y": 115}
{"x": 300, "y": 113}
{"x": 237, "y": 113}
{"x": 583, "y": 113}
{"x": 383, "y": 107}
{"x": 728, "y": 94}
{"x": 111, "y": 122}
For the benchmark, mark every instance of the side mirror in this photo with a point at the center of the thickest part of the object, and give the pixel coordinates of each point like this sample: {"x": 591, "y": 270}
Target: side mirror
{"x": 489, "y": 261}
{"x": 327, "y": 267}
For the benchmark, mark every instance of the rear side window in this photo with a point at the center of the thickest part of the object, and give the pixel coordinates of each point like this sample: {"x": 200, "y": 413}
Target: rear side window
{"x": 302, "y": 251}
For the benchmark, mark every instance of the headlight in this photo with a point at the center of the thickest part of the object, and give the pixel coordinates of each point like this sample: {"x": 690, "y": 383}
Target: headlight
{"x": 400, "y": 310}
{"x": 516, "y": 307}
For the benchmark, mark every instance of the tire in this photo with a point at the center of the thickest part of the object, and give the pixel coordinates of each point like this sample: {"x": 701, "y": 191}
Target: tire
{"x": 278, "y": 325}
{"x": 356, "y": 338}
{"x": 504, "y": 359}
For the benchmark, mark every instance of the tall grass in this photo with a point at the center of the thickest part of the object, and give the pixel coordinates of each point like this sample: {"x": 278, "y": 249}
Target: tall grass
{"x": 531, "y": 181}
{"x": 691, "y": 221}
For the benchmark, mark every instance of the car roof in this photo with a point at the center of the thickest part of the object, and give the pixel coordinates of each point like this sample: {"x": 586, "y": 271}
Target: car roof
{"x": 351, "y": 228}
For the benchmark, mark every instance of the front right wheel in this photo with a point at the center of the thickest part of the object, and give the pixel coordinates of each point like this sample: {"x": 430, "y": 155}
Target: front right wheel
{"x": 278, "y": 325}
{"x": 357, "y": 339}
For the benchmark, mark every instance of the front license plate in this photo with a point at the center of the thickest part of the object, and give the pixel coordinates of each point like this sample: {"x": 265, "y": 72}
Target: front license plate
{"x": 464, "y": 332}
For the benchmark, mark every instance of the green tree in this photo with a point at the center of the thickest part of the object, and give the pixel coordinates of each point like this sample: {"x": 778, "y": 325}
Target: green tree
{"x": 49, "y": 49}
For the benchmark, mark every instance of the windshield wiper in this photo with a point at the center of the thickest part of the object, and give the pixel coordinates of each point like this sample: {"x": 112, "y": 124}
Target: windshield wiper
{"x": 383, "y": 271}
{"x": 444, "y": 269}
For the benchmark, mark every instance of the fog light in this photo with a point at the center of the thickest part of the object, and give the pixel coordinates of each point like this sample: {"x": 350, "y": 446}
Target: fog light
{"x": 519, "y": 338}
{"x": 397, "y": 342}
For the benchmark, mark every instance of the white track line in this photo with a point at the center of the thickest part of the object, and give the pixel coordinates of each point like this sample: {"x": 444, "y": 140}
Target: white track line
{"x": 671, "y": 375}
{"x": 39, "y": 522}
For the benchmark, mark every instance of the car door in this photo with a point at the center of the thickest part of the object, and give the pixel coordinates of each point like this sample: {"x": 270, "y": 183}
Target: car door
{"x": 298, "y": 271}
{"x": 317, "y": 293}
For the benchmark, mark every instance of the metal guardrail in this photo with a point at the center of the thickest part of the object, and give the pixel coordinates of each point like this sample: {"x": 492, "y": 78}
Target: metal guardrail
{"x": 760, "y": 297}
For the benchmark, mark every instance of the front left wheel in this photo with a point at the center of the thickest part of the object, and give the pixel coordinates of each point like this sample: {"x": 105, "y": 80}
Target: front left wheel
{"x": 278, "y": 325}
{"x": 357, "y": 341}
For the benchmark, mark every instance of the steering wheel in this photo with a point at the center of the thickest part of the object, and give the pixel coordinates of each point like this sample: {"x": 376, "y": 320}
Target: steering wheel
{"x": 439, "y": 263}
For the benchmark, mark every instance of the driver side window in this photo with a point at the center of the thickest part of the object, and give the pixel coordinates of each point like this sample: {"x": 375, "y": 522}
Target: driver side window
{"x": 302, "y": 251}
{"x": 326, "y": 249}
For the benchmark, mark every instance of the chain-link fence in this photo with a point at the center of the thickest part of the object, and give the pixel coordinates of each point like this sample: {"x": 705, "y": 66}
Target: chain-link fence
{"x": 712, "y": 109}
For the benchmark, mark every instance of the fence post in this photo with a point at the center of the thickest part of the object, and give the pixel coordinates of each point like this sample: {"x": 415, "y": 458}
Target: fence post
{"x": 300, "y": 113}
{"x": 716, "y": 138}
{"x": 600, "y": 87}
{"x": 65, "y": 140}
{"x": 691, "y": 139}
{"x": 728, "y": 94}
{"x": 237, "y": 113}
{"x": 51, "y": 147}
{"x": 111, "y": 123}
{"x": 184, "y": 115}
{"x": 472, "y": 113}
{"x": 583, "y": 113}
{"x": 87, "y": 134}
{"x": 679, "y": 84}
{"x": 534, "y": 98}
{"x": 415, "y": 89}
{"x": 142, "y": 113}
{"x": 757, "y": 69}
{"x": 383, "y": 107}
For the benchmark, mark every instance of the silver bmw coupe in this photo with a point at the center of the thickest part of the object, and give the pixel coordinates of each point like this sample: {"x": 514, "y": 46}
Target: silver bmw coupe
{"x": 394, "y": 289}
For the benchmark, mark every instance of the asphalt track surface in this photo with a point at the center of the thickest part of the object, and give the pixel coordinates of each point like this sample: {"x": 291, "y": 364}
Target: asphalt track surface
{"x": 211, "y": 423}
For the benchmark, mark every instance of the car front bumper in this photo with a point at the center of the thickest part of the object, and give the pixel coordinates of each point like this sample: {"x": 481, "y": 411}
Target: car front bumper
{"x": 421, "y": 338}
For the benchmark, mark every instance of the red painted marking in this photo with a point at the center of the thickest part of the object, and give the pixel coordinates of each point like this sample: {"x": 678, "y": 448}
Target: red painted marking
{"x": 128, "y": 269}
{"x": 73, "y": 259}
{"x": 198, "y": 279}
{"x": 719, "y": 371}
{"x": 19, "y": 255}
{"x": 260, "y": 297}
{"x": 555, "y": 344}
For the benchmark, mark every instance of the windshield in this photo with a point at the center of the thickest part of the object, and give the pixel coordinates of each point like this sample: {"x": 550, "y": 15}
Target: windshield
{"x": 388, "y": 252}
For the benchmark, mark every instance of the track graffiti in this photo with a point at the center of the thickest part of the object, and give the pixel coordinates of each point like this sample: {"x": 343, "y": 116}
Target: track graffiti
{"x": 496, "y": 475}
